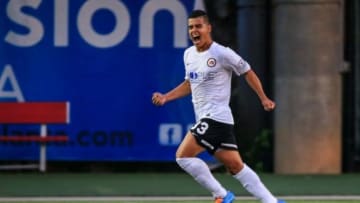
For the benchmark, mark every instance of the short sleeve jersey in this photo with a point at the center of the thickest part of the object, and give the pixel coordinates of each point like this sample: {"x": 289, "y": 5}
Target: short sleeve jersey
{"x": 209, "y": 74}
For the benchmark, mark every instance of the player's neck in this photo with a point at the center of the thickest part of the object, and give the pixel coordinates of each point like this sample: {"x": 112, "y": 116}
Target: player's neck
{"x": 205, "y": 47}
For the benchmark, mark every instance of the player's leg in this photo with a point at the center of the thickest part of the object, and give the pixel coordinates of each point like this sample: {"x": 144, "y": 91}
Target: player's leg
{"x": 197, "y": 168}
{"x": 247, "y": 177}
{"x": 189, "y": 147}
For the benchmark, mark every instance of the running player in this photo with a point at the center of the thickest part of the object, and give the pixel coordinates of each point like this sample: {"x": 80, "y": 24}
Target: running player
{"x": 208, "y": 67}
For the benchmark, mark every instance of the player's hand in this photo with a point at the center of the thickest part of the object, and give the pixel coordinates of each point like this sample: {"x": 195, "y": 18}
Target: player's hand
{"x": 268, "y": 104}
{"x": 158, "y": 99}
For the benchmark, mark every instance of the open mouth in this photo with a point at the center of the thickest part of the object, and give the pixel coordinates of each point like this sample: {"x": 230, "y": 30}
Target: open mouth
{"x": 196, "y": 38}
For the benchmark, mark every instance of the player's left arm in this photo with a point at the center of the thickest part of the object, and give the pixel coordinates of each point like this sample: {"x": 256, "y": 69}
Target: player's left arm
{"x": 255, "y": 83}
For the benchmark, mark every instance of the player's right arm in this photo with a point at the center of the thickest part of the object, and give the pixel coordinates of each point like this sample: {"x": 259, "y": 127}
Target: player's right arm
{"x": 183, "y": 89}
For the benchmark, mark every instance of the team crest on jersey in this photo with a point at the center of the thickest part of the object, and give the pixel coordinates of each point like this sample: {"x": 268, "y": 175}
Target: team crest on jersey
{"x": 211, "y": 62}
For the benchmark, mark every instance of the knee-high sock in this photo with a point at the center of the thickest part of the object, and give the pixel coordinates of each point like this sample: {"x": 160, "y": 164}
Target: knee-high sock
{"x": 252, "y": 183}
{"x": 198, "y": 169}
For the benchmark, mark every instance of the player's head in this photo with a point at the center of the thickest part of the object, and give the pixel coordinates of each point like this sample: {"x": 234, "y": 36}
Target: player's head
{"x": 199, "y": 29}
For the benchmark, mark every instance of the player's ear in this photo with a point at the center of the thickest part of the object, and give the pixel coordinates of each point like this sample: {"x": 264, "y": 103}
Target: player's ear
{"x": 209, "y": 27}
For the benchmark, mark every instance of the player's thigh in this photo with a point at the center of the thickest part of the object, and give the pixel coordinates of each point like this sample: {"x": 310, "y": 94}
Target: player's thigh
{"x": 188, "y": 147}
{"x": 231, "y": 159}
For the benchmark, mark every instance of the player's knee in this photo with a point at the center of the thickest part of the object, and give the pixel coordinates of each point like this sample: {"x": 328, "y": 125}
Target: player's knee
{"x": 179, "y": 154}
{"x": 183, "y": 152}
{"x": 234, "y": 167}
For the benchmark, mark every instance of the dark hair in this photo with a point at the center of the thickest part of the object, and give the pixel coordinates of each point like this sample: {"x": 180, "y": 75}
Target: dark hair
{"x": 199, "y": 13}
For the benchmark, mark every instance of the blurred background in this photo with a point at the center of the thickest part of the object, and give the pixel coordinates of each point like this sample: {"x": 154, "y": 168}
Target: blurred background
{"x": 106, "y": 58}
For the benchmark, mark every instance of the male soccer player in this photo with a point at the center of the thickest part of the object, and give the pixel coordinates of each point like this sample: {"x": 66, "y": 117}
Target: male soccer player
{"x": 208, "y": 67}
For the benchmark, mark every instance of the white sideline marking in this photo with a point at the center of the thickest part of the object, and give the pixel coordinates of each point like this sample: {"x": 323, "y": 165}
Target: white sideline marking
{"x": 167, "y": 198}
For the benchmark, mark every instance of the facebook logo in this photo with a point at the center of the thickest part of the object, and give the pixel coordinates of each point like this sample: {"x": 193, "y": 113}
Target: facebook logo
{"x": 170, "y": 134}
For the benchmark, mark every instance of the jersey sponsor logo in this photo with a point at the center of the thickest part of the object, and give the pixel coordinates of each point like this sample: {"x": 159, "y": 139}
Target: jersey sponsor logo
{"x": 211, "y": 62}
{"x": 197, "y": 77}
{"x": 193, "y": 75}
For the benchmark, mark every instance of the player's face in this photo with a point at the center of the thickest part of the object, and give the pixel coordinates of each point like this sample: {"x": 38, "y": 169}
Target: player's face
{"x": 199, "y": 32}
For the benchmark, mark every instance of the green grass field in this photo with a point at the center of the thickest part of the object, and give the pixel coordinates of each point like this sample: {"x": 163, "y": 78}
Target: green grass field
{"x": 151, "y": 185}
{"x": 165, "y": 184}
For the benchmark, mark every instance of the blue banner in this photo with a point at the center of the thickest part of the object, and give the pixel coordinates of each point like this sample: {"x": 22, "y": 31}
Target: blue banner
{"x": 105, "y": 58}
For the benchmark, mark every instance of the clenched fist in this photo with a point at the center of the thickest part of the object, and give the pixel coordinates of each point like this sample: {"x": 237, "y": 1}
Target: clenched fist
{"x": 158, "y": 99}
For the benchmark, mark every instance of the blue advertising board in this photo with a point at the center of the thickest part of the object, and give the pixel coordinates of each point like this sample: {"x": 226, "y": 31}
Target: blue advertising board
{"x": 105, "y": 58}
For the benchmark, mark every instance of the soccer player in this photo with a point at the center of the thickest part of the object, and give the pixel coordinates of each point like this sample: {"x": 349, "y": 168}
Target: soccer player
{"x": 208, "y": 67}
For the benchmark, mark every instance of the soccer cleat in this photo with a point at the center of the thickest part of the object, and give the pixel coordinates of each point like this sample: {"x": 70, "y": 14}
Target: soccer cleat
{"x": 281, "y": 201}
{"x": 218, "y": 200}
{"x": 229, "y": 198}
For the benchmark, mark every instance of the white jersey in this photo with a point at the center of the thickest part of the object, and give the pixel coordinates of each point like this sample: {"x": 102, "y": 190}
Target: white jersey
{"x": 209, "y": 73}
